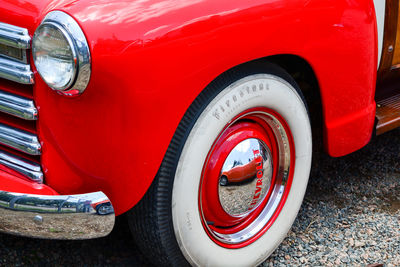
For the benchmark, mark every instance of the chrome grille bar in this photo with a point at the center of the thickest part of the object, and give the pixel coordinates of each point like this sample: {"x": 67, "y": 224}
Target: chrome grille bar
{"x": 18, "y": 106}
{"x": 14, "y": 36}
{"x": 14, "y": 65}
{"x": 27, "y": 168}
{"x": 20, "y": 140}
{"x": 15, "y": 71}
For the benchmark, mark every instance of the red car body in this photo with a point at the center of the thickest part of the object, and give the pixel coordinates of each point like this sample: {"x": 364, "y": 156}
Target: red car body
{"x": 241, "y": 173}
{"x": 150, "y": 59}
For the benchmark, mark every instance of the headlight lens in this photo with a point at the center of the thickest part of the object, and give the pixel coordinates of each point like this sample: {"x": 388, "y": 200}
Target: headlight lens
{"x": 61, "y": 54}
{"x": 54, "y": 56}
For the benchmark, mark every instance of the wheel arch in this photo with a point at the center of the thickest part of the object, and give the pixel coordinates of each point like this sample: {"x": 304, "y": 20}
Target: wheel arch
{"x": 305, "y": 77}
{"x": 302, "y": 72}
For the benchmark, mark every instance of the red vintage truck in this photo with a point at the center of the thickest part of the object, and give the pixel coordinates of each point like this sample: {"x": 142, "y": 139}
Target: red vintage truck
{"x": 143, "y": 104}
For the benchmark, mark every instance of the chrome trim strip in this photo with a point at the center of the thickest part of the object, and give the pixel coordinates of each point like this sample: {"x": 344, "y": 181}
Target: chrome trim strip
{"x": 56, "y": 217}
{"x": 16, "y": 71}
{"x": 20, "y": 140}
{"x": 27, "y": 168}
{"x": 14, "y": 36}
{"x": 18, "y": 106}
{"x": 380, "y": 11}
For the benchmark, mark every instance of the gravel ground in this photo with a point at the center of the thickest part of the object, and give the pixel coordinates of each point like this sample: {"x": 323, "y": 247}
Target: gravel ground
{"x": 351, "y": 211}
{"x": 350, "y": 216}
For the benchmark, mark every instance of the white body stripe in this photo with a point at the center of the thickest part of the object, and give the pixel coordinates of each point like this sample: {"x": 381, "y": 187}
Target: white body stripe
{"x": 380, "y": 17}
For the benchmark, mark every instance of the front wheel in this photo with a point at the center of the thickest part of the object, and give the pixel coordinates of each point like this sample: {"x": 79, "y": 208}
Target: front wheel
{"x": 253, "y": 125}
{"x": 223, "y": 181}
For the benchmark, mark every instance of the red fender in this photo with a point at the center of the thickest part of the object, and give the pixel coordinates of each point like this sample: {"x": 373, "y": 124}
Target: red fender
{"x": 150, "y": 59}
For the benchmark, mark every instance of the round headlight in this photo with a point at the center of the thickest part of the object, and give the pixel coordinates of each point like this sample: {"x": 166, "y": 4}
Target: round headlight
{"x": 61, "y": 54}
{"x": 54, "y": 56}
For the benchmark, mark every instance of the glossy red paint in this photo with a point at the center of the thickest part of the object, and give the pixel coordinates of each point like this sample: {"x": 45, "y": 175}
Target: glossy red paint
{"x": 13, "y": 183}
{"x": 150, "y": 59}
{"x": 232, "y": 135}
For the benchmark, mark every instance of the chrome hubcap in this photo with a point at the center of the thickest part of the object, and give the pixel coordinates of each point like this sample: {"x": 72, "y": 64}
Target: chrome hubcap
{"x": 248, "y": 172}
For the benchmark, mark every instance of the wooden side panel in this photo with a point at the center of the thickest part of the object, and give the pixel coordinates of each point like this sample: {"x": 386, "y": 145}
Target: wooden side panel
{"x": 396, "y": 56}
{"x": 391, "y": 43}
{"x": 388, "y": 82}
{"x": 389, "y": 69}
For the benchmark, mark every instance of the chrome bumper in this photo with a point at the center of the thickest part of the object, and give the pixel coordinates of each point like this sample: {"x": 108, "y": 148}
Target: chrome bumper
{"x": 83, "y": 216}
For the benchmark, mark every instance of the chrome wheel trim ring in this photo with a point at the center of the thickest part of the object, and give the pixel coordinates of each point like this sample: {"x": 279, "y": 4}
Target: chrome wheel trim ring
{"x": 279, "y": 186}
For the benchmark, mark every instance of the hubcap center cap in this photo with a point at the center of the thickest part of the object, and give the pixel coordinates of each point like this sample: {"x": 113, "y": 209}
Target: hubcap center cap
{"x": 245, "y": 177}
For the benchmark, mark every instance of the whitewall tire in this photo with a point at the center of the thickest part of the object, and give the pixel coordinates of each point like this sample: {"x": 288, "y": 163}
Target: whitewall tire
{"x": 253, "y": 117}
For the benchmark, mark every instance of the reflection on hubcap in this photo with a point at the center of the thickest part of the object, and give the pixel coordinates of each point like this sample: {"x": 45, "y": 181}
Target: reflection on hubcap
{"x": 245, "y": 177}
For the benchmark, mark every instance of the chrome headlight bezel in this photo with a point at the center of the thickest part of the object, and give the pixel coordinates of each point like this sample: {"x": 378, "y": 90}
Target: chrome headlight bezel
{"x": 76, "y": 39}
